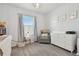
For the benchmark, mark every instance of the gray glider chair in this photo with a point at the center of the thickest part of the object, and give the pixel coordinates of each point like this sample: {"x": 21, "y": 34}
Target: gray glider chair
{"x": 44, "y": 36}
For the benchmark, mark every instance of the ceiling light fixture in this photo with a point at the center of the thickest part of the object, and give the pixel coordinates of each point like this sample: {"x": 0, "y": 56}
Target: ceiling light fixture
{"x": 36, "y": 5}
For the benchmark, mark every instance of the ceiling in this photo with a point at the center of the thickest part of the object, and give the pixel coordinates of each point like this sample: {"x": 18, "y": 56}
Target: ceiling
{"x": 44, "y": 7}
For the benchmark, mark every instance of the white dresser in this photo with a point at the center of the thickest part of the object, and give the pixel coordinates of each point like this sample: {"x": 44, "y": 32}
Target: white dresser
{"x": 66, "y": 41}
{"x": 78, "y": 46}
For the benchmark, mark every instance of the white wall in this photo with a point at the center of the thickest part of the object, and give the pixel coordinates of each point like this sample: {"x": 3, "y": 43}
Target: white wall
{"x": 63, "y": 25}
{"x": 10, "y": 14}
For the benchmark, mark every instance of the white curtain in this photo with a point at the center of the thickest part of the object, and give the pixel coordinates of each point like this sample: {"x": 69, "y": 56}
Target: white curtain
{"x": 35, "y": 29}
{"x": 21, "y": 29}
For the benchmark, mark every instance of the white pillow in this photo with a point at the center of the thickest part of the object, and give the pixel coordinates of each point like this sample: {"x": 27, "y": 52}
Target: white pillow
{"x": 44, "y": 35}
{"x": 3, "y": 37}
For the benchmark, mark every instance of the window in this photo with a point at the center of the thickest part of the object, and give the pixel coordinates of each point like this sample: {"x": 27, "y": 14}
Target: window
{"x": 27, "y": 20}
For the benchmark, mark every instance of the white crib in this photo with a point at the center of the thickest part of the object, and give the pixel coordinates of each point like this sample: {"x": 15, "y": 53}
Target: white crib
{"x": 5, "y": 46}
